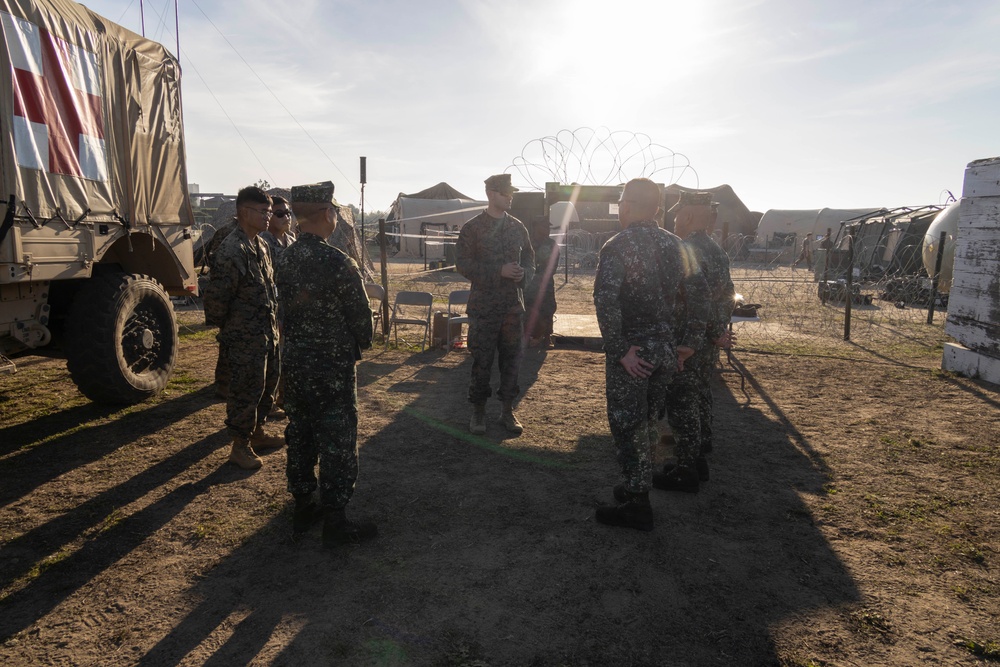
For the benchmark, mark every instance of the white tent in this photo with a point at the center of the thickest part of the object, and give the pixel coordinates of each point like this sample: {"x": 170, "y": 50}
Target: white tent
{"x": 785, "y": 222}
{"x": 437, "y": 212}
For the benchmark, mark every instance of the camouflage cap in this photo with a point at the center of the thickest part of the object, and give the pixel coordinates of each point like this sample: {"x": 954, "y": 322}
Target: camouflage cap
{"x": 693, "y": 199}
{"x": 501, "y": 183}
{"x": 314, "y": 193}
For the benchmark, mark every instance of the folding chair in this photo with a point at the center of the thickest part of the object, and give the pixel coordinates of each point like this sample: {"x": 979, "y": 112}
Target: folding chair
{"x": 376, "y": 295}
{"x": 404, "y": 311}
{"x": 455, "y": 299}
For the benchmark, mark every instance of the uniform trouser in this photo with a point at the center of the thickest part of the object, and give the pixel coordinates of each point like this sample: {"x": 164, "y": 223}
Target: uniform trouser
{"x": 634, "y": 404}
{"x": 495, "y": 336}
{"x": 689, "y": 407}
{"x": 222, "y": 373}
{"x": 322, "y": 412}
{"x": 255, "y": 371}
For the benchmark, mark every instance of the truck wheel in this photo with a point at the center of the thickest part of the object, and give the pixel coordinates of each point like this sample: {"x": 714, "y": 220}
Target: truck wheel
{"x": 122, "y": 341}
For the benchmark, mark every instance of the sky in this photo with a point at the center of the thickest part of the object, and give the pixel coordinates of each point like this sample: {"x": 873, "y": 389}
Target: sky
{"x": 795, "y": 104}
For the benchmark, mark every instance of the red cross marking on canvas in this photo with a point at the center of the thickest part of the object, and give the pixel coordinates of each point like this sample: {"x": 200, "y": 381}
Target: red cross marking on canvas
{"x": 52, "y": 99}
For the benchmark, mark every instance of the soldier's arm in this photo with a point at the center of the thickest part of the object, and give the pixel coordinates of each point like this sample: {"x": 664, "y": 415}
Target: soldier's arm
{"x": 694, "y": 292}
{"x": 527, "y": 257}
{"x": 607, "y": 301}
{"x": 357, "y": 311}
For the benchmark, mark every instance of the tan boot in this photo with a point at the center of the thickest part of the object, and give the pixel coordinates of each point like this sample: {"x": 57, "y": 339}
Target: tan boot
{"x": 477, "y": 424}
{"x": 509, "y": 419}
{"x": 261, "y": 440}
{"x": 242, "y": 454}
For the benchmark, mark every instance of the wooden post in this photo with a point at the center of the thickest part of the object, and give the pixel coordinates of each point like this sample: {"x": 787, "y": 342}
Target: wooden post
{"x": 385, "y": 276}
{"x": 850, "y": 286}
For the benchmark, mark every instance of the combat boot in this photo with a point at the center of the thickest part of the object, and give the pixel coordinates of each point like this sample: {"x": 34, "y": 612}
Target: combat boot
{"x": 681, "y": 478}
{"x": 261, "y": 440}
{"x": 338, "y": 529}
{"x": 635, "y": 512}
{"x": 621, "y": 494}
{"x": 477, "y": 424}
{"x": 509, "y": 419}
{"x": 700, "y": 464}
{"x": 307, "y": 512}
{"x": 242, "y": 454}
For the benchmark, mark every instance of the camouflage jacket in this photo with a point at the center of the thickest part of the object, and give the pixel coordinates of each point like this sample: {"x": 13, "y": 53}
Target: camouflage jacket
{"x": 217, "y": 238}
{"x": 714, "y": 264}
{"x": 326, "y": 316}
{"x": 275, "y": 244}
{"x": 484, "y": 245}
{"x": 240, "y": 296}
{"x": 642, "y": 274}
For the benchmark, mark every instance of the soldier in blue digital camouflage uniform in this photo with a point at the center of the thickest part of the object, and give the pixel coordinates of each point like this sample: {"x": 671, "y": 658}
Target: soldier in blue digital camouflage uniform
{"x": 689, "y": 394}
{"x": 326, "y": 323}
{"x": 494, "y": 253}
{"x": 240, "y": 298}
{"x": 641, "y": 275}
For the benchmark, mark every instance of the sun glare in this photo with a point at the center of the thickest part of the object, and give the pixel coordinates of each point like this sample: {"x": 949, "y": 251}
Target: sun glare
{"x": 601, "y": 41}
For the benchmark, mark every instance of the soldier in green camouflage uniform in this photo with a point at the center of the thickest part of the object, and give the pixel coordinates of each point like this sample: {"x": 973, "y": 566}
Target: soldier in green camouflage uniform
{"x": 240, "y": 298}
{"x": 689, "y": 394}
{"x": 326, "y": 323}
{"x": 222, "y": 373}
{"x": 641, "y": 275}
{"x": 494, "y": 253}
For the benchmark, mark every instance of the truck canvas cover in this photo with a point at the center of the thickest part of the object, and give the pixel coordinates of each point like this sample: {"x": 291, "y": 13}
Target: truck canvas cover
{"x": 90, "y": 119}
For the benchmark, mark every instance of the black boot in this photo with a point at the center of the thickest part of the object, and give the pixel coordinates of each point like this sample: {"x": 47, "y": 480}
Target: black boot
{"x": 700, "y": 464}
{"x": 681, "y": 478}
{"x": 338, "y": 529}
{"x": 307, "y": 513}
{"x": 633, "y": 513}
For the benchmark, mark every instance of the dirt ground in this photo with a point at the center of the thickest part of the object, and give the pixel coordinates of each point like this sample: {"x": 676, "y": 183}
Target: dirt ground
{"x": 851, "y": 519}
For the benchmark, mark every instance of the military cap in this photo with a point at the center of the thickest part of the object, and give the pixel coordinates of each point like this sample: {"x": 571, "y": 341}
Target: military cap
{"x": 314, "y": 193}
{"x": 693, "y": 199}
{"x": 501, "y": 183}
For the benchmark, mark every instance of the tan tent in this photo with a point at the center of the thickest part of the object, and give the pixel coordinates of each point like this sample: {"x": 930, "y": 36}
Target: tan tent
{"x": 733, "y": 213}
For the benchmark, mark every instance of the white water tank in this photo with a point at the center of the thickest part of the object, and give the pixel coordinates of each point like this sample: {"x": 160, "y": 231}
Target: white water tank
{"x": 946, "y": 221}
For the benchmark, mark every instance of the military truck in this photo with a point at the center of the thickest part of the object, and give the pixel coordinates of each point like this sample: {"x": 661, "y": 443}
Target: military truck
{"x": 95, "y": 233}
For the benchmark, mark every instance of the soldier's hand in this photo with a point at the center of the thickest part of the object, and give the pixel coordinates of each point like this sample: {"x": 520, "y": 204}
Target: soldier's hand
{"x": 725, "y": 341}
{"x": 683, "y": 354}
{"x": 636, "y": 366}
{"x": 512, "y": 271}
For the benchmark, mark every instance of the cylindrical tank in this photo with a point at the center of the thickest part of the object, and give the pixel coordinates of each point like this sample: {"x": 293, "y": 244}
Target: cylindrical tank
{"x": 947, "y": 222}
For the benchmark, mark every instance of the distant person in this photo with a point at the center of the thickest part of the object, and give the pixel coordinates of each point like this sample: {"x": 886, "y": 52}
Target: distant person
{"x": 540, "y": 294}
{"x": 240, "y": 298}
{"x": 641, "y": 276}
{"x": 327, "y": 322}
{"x": 689, "y": 394}
{"x": 806, "y": 254}
{"x": 494, "y": 253}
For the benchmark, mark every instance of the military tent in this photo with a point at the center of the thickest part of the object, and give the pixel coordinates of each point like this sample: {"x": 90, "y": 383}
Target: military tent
{"x": 438, "y": 211}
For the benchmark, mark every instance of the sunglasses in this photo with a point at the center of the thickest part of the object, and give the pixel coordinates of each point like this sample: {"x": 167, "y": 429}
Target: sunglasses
{"x": 283, "y": 214}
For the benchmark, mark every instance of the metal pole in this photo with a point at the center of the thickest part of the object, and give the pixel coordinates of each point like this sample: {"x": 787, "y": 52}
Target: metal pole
{"x": 850, "y": 286}
{"x": 364, "y": 179}
{"x": 385, "y": 277}
{"x": 934, "y": 280}
{"x": 826, "y": 266}
{"x": 142, "y": 18}
{"x": 177, "y": 30}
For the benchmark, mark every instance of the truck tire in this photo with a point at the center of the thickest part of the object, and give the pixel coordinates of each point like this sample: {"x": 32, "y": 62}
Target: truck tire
{"x": 122, "y": 341}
